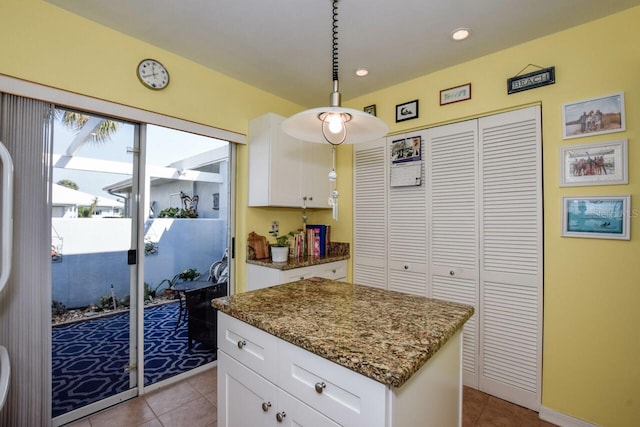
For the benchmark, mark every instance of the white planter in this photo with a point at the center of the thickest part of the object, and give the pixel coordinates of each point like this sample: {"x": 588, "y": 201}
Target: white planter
{"x": 279, "y": 253}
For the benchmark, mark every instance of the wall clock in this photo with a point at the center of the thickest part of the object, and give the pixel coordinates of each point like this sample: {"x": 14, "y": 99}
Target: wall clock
{"x": 153, "y": 74}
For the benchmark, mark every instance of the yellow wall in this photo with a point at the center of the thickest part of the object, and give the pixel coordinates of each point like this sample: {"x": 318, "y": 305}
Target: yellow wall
{"x": 592, "y": 287}
{"x": 591, "y": 363}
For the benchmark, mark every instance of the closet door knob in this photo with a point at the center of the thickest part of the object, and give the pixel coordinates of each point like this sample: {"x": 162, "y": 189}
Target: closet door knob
{"x": 266, "y": 406}
{"x": 241, "y": 344}
{"x": 280, "y": 416}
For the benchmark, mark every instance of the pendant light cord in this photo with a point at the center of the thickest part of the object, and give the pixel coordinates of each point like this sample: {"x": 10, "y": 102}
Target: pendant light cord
{"x": 334, "y": 42}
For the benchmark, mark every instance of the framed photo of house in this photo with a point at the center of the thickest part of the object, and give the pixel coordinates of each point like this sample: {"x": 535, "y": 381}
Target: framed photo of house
{"x": 593, "y": 116}
{"x": 407, "y": 111}
{"x": 370, "y": 109}
{"x": 603, "y": 217}
{"x": 603, "y": 163}
{"x": 455, "y": 94}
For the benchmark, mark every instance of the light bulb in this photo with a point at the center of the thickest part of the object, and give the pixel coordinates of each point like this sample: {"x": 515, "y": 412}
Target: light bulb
{"x": 335, "y": 123}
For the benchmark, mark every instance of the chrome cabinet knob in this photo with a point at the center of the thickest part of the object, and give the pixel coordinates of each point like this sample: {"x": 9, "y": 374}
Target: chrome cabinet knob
{"x": 241, "y": 344}
{"x": 320, "y": 387}
{"x": 266, "y": 406}
{"x": 280, "y": 416}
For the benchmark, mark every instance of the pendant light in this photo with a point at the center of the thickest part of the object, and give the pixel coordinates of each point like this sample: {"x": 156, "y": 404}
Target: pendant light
{"x": 335, "y": 124}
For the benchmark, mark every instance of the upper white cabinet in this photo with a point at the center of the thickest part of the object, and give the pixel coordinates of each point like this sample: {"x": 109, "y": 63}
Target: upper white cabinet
{"x": 284, "y": 170}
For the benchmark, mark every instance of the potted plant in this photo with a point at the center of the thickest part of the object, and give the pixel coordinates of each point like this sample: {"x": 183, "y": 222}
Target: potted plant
{"x": 280, "y": 249}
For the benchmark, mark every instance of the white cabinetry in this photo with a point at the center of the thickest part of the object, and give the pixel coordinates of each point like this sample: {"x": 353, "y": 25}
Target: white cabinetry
{"x": 483, "y": 243}
{"x": 390, "y": 242}
{"x": 265, "y": 381}
{"x": 284, "y": 170}
{"x": 259, "y": 277}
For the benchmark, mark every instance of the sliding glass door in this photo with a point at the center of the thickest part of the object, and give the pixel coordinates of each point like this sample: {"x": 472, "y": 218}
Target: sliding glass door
{"x": 127, "y": 196}
{"x": 94, "y": 285}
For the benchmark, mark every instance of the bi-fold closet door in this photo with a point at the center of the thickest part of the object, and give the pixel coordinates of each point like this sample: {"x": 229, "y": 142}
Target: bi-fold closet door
{"x": 472, "y": 234}
{"x": 485, "y": 200}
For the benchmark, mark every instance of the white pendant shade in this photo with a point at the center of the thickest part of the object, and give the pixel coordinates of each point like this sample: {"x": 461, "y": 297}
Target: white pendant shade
{"x": 307, "y": 126}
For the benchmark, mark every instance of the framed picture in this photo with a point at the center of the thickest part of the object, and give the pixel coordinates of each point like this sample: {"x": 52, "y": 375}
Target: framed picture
{"x": 604, "y": 217}
{"x": 593, "y": 116}
{"x": 604, "y": 163}
{"x": 407, "y": 111}
{"x": 455, "y": 94}
{"x": 370, "y": 109}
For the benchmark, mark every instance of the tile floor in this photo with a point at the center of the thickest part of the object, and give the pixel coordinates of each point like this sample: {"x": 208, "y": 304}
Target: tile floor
{"x": 192, "y": 403}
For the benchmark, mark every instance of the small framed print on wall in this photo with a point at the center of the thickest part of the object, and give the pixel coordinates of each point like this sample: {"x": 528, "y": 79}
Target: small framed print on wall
{"x": 407, "y": 111}
{"x": 455, "y": 94}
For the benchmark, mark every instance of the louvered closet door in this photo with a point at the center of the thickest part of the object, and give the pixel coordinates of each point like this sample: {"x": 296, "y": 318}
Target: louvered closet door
{"x": 407, "y": 240}
{"x": 511, "y": 262}
{"x": 369, "y": 214}
{"x": 452, "y": 188}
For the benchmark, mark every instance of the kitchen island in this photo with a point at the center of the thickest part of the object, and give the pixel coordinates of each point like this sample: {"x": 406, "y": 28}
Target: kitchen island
{"x": 322, "y": 352}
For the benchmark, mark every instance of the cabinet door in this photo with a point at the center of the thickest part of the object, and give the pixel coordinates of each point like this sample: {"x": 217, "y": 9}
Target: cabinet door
{"x": 511, "y": 264}
{"x": 453, "y": 228}
{"x": 286, "y": 179}
{"x": 315, "y": 165}
{"x": 370, "y": 214}
{"x": 407, "y": 238}
{"x": 245, "y": 399}
{"x": 295, "y": 413}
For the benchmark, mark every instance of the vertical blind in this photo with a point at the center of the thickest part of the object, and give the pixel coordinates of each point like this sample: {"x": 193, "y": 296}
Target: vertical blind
{"x": 25, "y": 324}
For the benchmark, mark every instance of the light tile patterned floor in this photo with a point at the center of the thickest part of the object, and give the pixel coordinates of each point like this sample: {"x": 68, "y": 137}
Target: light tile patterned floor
{"x": 192, "y": 403}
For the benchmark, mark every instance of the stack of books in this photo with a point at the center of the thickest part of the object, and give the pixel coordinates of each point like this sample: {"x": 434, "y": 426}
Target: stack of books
{"x": 313, "y": 241}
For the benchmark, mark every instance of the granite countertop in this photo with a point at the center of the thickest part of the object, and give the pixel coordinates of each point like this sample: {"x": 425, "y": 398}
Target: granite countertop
{"x": 384, "y": 335}
{"x": 296, "y": 262}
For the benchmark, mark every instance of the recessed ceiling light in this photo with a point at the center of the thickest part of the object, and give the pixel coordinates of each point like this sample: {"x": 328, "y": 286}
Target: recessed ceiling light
{"x": 460, "y": 34}
{"x": 361, "y": 72}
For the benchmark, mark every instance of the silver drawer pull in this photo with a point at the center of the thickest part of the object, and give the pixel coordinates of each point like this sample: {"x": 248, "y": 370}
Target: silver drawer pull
{"x": 241, "y": 344}
{"x": 266, "y": 406}
{"x": 320, "y": 387}
{"x": 280, "y": 416}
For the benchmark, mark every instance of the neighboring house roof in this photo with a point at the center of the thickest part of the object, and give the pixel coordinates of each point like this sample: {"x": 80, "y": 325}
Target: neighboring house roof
{"x": 64, "y": 196}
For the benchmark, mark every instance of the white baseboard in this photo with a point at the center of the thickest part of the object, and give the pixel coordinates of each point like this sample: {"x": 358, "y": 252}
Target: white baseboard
{"x": 561, "y": 419}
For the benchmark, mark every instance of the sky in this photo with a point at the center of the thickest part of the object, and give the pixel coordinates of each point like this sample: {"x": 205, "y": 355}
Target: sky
{"x": 164, "y": 146}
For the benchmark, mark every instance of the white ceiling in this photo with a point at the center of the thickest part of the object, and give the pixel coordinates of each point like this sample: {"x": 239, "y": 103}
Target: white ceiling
{"x": 284, "y": 46}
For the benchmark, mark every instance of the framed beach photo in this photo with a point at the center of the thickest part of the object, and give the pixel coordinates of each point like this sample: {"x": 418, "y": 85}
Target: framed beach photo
{"x": 603, "y": 217}
{"x": 593, "y": 116}
{"x": 407, "y": 111}
{"x": 603, "y": 163}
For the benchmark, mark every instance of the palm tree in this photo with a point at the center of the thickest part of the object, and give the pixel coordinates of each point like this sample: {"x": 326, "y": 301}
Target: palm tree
{"x": 76, "y": 121}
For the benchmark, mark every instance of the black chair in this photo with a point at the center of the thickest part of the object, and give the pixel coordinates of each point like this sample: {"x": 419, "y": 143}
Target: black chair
{"x": 202, "y": 317}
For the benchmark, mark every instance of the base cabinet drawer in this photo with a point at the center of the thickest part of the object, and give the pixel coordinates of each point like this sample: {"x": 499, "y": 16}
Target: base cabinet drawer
{"x": 259, "y": 277}
{"x": 350, "y": 398}
{"x": 250, "y": 346}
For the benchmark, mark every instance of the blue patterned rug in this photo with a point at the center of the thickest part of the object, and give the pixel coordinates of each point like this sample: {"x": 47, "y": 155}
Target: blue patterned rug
{"x": 89, "y": 358}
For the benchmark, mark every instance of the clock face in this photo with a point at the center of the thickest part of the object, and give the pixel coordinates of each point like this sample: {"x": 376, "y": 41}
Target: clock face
{"x": 153, "y": 74}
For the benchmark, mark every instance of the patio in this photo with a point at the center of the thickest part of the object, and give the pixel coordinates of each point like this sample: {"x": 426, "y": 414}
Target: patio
{"x": 90, "y": 357}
